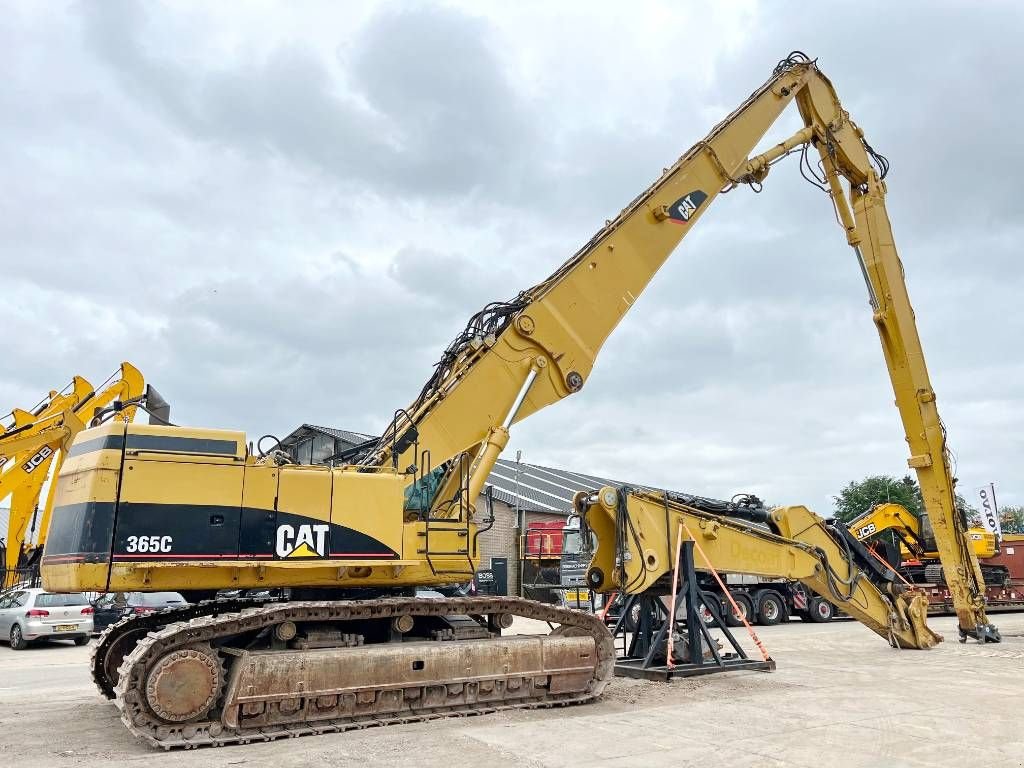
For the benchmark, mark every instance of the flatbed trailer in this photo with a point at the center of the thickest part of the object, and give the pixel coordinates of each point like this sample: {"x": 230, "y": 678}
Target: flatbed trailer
{"x": 997, "y": 599}
{"x": 1008, "y": 596}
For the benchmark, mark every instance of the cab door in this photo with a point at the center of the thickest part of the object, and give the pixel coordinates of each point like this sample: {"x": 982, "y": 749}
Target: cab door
{"x": 259, "y": 512}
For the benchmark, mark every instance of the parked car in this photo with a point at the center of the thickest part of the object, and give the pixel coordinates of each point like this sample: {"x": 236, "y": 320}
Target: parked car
{"x": 27, "y": 615}
{"x": 113, "y": 606}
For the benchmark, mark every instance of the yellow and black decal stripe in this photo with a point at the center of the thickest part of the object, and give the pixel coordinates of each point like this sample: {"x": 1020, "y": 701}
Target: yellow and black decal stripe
{"x": 105, "y": 443}
{"x": 205, "y": 446}
{"x": 84, "y": 532}
{"x": 166, "y": 444}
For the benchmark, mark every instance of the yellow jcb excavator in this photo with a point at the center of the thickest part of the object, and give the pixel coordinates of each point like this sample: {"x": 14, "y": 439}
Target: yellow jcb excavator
{"x": 197, "y": 510}
{"x": 916, "y": 554}
{"x": 34, "y": 444}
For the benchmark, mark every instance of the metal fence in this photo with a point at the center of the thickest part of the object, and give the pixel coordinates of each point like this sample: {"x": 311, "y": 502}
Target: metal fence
{"x": 19, "y": 577}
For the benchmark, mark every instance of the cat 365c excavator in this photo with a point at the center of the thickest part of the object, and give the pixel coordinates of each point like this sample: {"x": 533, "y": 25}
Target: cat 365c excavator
{"x": 196, "y": 510}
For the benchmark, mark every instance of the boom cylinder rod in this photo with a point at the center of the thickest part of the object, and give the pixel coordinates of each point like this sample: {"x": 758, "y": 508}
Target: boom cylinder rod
{"x": 760, "y": 163}
{"x": 845, "y": 215}
{"x": 495, "y": 442}
{"x": 518, "y": 403}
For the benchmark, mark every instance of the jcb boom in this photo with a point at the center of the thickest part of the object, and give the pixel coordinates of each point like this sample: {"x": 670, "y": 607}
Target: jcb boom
{"x": 915, "y": 553}
{"x": 637, "y": 534}
{"x": 193, "y": 509}
{"x": 35, "y": 443}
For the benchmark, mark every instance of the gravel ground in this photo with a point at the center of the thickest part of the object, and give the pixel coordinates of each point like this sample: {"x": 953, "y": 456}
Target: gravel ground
{"x": 840, "y": 697}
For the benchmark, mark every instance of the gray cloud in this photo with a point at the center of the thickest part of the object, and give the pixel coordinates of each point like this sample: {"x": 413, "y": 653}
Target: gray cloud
{"x": 419, "y": 106}
{"x": 284, "y": 219}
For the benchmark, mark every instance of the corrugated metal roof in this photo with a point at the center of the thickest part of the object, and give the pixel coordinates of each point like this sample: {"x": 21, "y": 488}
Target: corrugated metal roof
{"x": 355, "y": 438}
{"x": 529, "y": 487}
{"x": 548, "y": 488}
{"x": 342, "y": 434}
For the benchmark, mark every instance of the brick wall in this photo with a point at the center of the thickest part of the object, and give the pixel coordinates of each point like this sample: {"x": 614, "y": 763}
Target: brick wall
{"x": 502, "y": 540}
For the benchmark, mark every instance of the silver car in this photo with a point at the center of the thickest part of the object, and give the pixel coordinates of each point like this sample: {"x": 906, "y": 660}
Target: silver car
{"x": 35, "y": 614}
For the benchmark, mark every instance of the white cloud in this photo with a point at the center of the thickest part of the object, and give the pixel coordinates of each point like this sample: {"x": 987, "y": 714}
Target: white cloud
{"x": 284, "y": 215}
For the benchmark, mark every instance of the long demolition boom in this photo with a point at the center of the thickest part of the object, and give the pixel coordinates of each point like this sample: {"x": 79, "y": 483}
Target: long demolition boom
{"x": 519, "y": 356}
{"x": 637, "y": 534}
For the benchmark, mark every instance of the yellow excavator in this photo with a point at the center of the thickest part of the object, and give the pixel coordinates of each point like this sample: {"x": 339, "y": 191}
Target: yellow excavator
{"x": 914, "y": 552}
{"x": 33, "y": 446}
{"x": 26, "y": 457}
{"x": 199, "y": 510}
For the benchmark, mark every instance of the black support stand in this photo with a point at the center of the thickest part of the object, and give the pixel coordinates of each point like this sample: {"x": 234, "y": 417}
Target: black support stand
{"x": 696, "y": 651}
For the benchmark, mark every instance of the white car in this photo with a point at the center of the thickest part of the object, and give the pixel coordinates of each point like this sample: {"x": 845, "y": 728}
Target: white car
{"x": 27, "y": 615}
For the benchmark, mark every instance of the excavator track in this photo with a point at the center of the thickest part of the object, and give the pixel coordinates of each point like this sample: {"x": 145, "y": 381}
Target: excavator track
{"x": 187, "y": 684}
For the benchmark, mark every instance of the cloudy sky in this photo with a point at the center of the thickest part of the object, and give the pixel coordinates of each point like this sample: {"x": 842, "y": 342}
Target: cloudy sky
{"x": 282, "y": 213}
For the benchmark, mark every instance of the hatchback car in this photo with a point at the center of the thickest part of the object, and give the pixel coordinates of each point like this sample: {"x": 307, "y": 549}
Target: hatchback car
{"x": 113, "y": 607}
{"x": 27, "y": 615}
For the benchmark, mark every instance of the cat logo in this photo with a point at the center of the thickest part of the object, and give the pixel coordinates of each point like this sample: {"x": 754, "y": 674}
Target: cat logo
{"x": 682, "y": 210}
{"x": 302, "y": 541}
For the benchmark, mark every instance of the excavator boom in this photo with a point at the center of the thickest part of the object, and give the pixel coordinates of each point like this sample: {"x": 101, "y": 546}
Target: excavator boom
{"x": 34, "y": 446}
{"x": 916, "y": 554}
{"x": 517, "y": 357}
{"x": 916, "y": 537}
{"x": 636, "y": 533}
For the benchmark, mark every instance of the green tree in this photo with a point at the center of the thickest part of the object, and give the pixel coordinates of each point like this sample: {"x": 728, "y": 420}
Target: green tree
{"x": 1012, "y": 519}
{"x": 860, "y": 496}
{"x": 970, "y": 513}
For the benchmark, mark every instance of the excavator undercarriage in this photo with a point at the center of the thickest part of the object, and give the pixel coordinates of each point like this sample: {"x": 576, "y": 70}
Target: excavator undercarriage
{"x": 234, "y": 671}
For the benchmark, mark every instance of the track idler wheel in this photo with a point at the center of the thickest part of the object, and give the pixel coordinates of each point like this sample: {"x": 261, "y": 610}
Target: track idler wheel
{"x": 185, "y": 684}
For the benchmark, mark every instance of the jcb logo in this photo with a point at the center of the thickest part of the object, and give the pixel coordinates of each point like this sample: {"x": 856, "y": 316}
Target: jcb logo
{"x": 302, "y": 540}
{"x": 41, "y": 455}
{"x": 866, "y": 531}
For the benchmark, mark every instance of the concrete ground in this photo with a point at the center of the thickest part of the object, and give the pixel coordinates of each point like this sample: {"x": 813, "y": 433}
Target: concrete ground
{"x": 840, "y": 697}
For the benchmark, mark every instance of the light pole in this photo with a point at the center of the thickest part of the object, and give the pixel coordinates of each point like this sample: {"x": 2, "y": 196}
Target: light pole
{"x": 888, "y": 487}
